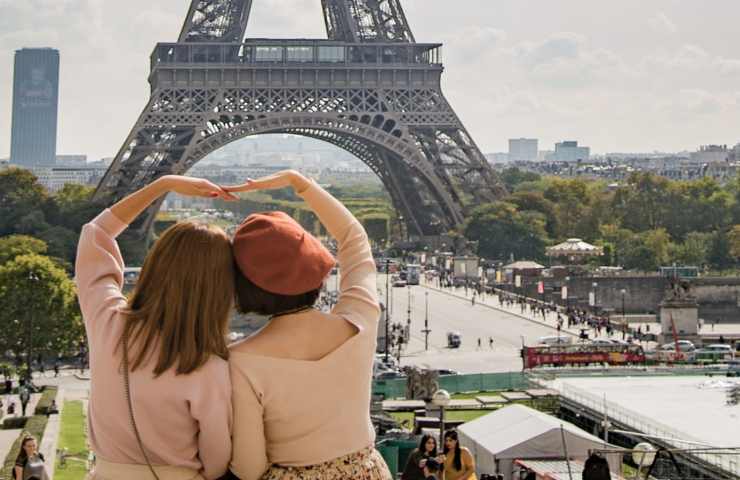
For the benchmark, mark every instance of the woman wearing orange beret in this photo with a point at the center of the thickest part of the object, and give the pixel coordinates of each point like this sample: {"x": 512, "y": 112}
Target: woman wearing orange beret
{"x": 301, "y": 385}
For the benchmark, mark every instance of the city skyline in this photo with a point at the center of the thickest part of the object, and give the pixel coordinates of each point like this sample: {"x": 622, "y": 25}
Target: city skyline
{"x": 624, "y": 78}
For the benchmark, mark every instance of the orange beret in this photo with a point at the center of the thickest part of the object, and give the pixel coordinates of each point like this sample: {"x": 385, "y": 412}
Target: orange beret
{"x": 278, "y": 255}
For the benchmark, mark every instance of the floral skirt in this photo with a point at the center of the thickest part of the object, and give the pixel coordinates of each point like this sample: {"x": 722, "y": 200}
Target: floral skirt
{"x": 366, "y": 464}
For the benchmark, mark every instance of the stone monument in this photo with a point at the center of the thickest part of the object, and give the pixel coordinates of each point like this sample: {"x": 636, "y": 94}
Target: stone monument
{"x": 679, "y": 310}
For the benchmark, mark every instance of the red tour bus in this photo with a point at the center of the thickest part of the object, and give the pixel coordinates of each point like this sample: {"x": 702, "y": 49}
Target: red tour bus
{"x": 582, "y": 354}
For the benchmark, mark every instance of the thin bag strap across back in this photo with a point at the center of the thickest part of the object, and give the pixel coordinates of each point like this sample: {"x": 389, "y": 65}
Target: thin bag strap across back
{"x": 127, "y": 389}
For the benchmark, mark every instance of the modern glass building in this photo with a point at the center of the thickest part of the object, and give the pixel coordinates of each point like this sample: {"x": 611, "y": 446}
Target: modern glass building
{"x": 35, "y": 102}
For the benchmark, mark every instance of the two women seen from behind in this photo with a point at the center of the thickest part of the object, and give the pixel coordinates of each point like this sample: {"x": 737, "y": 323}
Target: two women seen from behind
{"x": 29, "y": 464}
{"x": 170, "y": 416}
{"x": 161, "y": 388}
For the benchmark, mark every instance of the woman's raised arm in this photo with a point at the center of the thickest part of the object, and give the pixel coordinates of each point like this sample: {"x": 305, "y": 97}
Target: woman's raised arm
{"x": 357, "y": 290}
{"x": 99, "y": 265}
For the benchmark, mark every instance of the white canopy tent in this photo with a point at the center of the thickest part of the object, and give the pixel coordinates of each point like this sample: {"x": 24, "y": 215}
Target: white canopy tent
{"x": 517, "y": 432}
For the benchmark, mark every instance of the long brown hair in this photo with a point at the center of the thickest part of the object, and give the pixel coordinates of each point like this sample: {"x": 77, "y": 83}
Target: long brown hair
{"x": 23, "y": 455}
{"x": 182, "y": 300}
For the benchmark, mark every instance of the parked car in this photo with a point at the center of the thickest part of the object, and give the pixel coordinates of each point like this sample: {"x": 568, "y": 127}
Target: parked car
{"x": 683, "y": 346}
{"x": 602, "y": 341}
{"x": 390, "y": 375}
{"x": 686, "y": 351}
{"x": 733, "y": 368}
{"x": 556, "y": 340}
{"x": 399, "y": 282}
{"x": 454, "y": 340}
{"x": 446, "y": 371}
{"x": 717, "y": 353}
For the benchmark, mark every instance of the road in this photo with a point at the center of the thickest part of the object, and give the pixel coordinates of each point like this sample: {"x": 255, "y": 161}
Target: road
{"x": 447, "y": 313}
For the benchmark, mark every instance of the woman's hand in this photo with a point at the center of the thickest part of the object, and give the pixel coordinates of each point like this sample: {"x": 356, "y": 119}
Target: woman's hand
{"x": 286, "y": 178}
{"x": 196, "y": 187}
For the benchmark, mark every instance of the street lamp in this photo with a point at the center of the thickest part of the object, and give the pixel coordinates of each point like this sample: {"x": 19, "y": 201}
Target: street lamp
{"x": 623, "y": 292}
{"x": 387, "y": 309}
{"x": 426, "y": 322}
{"x": 441, "y": 399}
{"x": 32, "y": 276}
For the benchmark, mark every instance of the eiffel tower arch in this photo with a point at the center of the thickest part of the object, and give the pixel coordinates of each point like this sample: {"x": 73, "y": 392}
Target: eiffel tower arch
{"x": 369, "y": 89}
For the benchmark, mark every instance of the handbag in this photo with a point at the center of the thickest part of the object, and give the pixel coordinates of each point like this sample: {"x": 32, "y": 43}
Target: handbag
{"x": 127, "y": 389}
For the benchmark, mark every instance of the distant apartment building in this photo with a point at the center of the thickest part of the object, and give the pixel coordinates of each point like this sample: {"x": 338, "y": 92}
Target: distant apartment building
{"x": 348, "y": 176}
{"x": 35, "y": 102}
{"x": 234, "y": 173}
{"x": 55, "y": 178}
{"x": 710, "y": 154}
{"x": 569, "y": 151}
{"x": 523, "y": 149}
{"x": 497, "y": 157}
{"x": 71, "y": 160}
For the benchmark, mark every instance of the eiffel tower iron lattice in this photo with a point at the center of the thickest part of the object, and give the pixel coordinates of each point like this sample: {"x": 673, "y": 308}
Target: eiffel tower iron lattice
{"x": 369, "y": 89}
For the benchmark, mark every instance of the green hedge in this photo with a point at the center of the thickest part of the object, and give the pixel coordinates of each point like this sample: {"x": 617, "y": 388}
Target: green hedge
{"x": 34, "y": 426}
{"x": 14, "y": 423}
{"x": 49, "y": 395}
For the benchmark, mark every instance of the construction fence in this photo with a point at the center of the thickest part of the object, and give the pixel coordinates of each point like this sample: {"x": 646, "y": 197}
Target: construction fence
{"x": 474, "y": 382}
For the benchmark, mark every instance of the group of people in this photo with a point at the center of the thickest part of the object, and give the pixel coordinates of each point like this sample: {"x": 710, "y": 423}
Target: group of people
{"x": 171, "y": 400}
{"x": 428, "y": 462}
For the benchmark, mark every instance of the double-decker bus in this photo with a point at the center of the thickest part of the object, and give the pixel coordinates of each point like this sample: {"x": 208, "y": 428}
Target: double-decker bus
{"x": 582, "y": 354}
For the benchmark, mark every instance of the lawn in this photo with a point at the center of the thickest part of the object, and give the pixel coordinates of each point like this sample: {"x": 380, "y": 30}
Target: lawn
{"x": 72, "y": 437}
{"x": 451, "y": 415}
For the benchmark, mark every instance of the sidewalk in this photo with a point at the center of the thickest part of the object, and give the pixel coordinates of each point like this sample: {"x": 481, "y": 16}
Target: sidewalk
{"x": 550, "y": 319}
{"x": 8, "y": 437}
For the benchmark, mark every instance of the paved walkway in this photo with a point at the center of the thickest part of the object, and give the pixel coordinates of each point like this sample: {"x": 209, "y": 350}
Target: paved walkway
{"x": 8, "y": 437}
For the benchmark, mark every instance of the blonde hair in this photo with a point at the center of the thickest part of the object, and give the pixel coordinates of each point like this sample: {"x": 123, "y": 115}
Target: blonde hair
{"x": 183, "y": 299}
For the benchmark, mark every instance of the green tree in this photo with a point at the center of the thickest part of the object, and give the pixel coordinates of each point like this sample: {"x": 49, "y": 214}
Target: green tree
{"x": 733, "y": 238}
{"x": 15, "y": 245}
{"x": 513, "y": 176}
{"x": 502, "y": 231}
{"x": 571, "y": 200}
{"x": 20, "y": 196}
{"x": 38, "y": 307}
{"x": 693, "y": 251}
{"x": 720, "y": 256}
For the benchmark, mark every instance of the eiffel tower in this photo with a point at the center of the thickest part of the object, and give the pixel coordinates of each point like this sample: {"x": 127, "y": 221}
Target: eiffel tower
{"x": 369, "y": 89}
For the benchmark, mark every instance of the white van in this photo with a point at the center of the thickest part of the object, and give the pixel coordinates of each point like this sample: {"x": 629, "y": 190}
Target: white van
{"x": 556, "y": 340}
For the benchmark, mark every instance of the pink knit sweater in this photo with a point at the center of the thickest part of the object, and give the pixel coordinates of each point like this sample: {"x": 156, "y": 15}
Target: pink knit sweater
{"x": 184, "y": 420}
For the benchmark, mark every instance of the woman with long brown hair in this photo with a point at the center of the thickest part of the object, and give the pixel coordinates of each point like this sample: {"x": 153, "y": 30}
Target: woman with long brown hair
{"x": 160, "y": 396}
{"x": 29, "y": 464}
{"x": 459, "y": 463}
{"x": 302, "y": 383}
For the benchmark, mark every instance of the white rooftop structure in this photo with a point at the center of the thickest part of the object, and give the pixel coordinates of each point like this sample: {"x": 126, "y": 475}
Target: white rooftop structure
{"x": 523, "y": 265}
{"x": 518, "y": 432}
{"x": 574, "y": 247}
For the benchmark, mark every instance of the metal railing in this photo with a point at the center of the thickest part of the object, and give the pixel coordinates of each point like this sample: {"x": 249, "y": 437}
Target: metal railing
{"x": 296, "y": 52}
{"x": 648, "y": 426}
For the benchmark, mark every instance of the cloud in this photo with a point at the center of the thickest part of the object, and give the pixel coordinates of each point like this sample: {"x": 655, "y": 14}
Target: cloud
{"x": 569, "y": 60}
{"x": 661, "y": 23}
{"x": 696, "y": 101}
{"x": 565, "y": 45}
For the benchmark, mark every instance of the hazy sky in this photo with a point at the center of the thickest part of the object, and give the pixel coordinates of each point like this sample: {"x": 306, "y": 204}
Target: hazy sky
{"x": 633, "y": 75}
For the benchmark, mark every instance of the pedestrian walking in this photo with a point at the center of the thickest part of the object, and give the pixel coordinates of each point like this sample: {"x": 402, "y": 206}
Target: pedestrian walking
{"x": 472, "y": 299}
{"x": 479, "y": 343}
{"x": 25, "y": 397}
{"x": 56, "y": 368}
{"x": 490, "y": 343}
